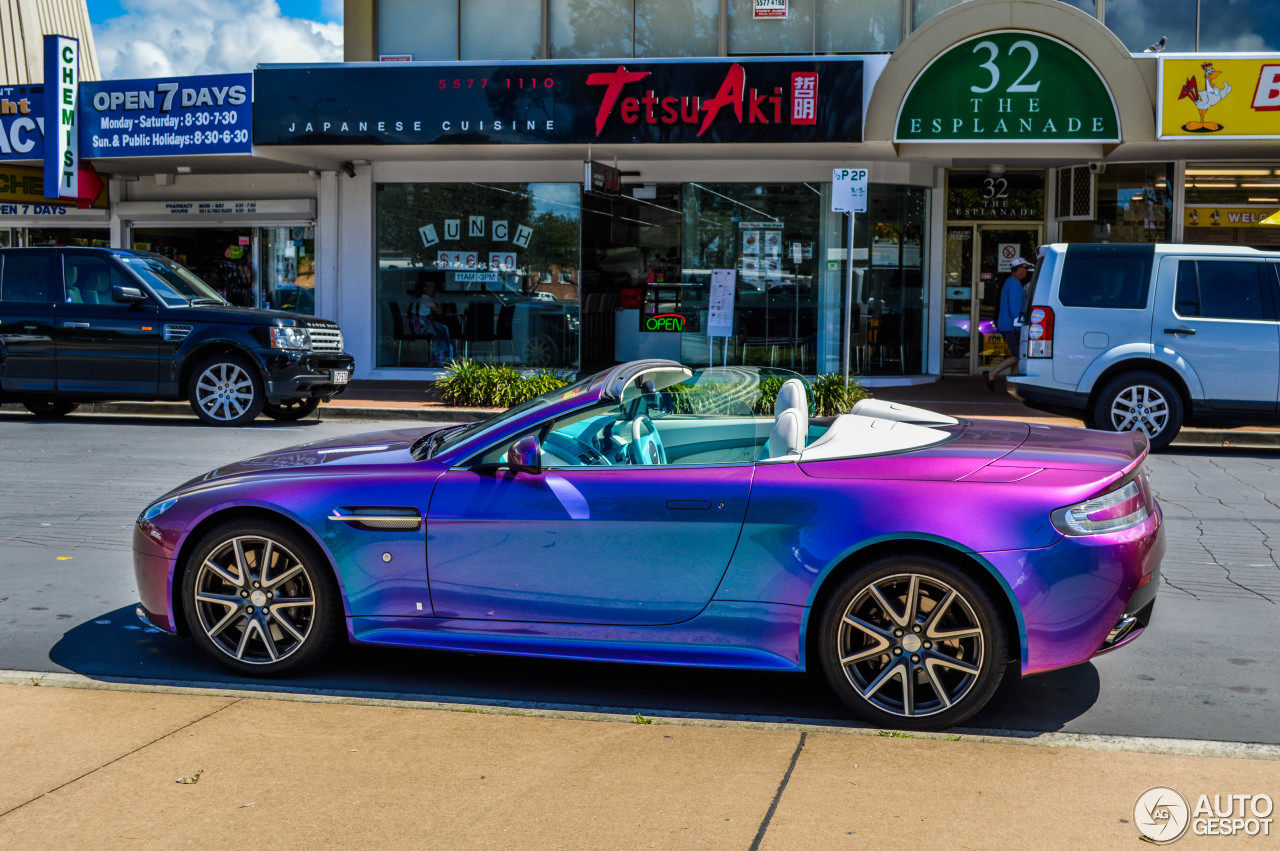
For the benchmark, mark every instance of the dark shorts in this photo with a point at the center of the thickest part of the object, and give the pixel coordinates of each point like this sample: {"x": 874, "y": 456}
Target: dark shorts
{"x": 1012, "y": 339}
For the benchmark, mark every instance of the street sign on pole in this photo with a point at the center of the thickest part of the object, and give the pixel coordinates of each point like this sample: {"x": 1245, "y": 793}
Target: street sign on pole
{"x": 849, "y": 190}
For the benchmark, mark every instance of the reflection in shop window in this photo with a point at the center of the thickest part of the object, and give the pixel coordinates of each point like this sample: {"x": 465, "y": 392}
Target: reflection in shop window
{"x": 1134, "y": 205}
{"x": 488, "y": 272}
{"x": 289, "y": 269}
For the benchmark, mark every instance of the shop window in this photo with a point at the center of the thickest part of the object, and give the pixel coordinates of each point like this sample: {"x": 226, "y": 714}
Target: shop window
{"x": 488, "y": 272}
{"x": 793, "y": 34}
{"x": 871, "y": 27}
{"x": 923, "y": 10}
{"x": 677, "y": 27}
{"x": 590, "y": 29}
{"x": 1228, "y": 203}
{"x": 1134, "y": 205}
{"x": 424, "y": 29}
{"x": 500, "y": 29}
{"x": 289, "y": 269}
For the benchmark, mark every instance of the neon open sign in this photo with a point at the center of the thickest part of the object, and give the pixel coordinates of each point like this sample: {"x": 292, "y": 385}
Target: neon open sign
{"x": 664, "y": 322}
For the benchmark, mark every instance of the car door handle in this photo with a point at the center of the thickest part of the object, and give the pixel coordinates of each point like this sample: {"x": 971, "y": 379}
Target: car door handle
{"x": 689, "y": 504}
{"x": 75, "y": 324}
{"x": 1180, "y": 331}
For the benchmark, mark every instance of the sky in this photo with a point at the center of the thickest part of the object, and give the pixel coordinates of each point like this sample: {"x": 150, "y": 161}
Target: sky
{"x": 161, "y": 38}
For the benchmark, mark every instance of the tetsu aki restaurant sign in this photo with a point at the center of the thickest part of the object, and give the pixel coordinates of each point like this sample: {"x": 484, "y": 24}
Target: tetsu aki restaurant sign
{"x": 625, "y": 101}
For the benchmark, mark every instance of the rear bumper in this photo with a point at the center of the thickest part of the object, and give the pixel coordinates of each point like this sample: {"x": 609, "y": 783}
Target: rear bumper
{"x": 1073, "y": 594}
{"x": 1049, "y": 399}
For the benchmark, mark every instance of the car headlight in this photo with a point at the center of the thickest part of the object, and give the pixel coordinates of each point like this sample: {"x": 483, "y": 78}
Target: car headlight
{"x": 291, "y": 338}
{"x": 1114, "y": 511}
{"x": 155, "y": 509}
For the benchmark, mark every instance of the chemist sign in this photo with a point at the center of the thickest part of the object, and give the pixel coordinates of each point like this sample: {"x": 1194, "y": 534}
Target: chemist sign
{"x": 849, "y": 190}
{"x": 61, "y": 154}
{"x": 176, "y": 116}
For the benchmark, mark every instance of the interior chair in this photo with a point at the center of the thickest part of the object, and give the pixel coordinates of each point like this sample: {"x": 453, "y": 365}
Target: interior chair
{"x": 400, "y": 331}
{"x": 790, "y": 421}
{"x": 886, "y": 335}
{"x": 478, "y": 325}
{"x": 503, "y": 331}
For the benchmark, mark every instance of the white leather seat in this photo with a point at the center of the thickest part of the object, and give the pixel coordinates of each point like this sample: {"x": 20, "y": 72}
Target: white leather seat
{"x": 790, "y": 421}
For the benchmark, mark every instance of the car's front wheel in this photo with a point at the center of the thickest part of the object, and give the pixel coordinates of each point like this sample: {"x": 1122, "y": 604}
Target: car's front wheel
{"x": 912, "y": 643}
{"x": 295, "y": 409}
{"x": 1140, "y": 401}
{"x": 261, "y": 599}
{"x": 226, "y": 390}
{"x": 50, "y": 408}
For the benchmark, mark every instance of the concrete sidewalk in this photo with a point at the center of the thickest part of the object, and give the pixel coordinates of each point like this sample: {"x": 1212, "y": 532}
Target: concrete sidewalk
{"x": 957, "y": 396}
{"x": 103, "y": 767}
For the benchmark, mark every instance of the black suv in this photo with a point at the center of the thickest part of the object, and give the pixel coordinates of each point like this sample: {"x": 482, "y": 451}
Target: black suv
{"x": 92, "y": 324}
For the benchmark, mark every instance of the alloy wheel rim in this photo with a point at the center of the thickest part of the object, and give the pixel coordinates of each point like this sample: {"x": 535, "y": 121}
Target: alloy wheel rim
{"x": 1140, "y": 408}
{"x": 224, "y": 391}
{"x": 911, "y": 645}
{"x": 254, "y": 600}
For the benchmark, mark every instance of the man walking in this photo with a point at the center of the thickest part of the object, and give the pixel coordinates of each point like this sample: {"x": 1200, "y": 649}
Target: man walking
{"x": 1006, "y": 320}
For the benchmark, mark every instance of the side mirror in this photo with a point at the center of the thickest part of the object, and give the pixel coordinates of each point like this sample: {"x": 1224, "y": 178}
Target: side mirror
{"x": 525, "y": 455}
{"x": 127, "y": 295}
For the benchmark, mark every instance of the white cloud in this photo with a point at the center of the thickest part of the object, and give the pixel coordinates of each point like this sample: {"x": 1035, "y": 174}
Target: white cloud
{"x": 161, "y": 38}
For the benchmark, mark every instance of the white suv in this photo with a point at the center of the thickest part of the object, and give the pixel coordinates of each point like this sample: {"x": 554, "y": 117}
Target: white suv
{"x": 1147, "y": 337}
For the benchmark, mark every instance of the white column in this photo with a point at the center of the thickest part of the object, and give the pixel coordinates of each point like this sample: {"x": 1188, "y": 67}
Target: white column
{"x": 328, "y": 226}
{"x": 354, "y": 307}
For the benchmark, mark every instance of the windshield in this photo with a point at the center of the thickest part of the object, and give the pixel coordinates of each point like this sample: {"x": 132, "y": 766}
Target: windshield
{"x": 446, "y": 439}
{"x": 172, "y": 282}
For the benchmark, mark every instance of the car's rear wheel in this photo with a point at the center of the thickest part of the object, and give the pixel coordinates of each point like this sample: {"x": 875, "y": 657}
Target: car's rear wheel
{"x": 1140, "y": 401}
{"x": 50, "y": 407}
{"x": 261, "y": 599}
{"x": 912, "y": 643}
{"x": 290, "y": 411}
{"x": 226, "y": 390}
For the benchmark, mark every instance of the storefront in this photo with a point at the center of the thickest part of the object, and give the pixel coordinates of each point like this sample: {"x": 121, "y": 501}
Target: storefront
{"x": 28, "y": 218}
{"x": 488, "y": 243}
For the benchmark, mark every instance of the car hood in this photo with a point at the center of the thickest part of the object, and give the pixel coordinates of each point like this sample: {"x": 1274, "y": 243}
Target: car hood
{"x": 254, "y": 315}
{"x": 360, "y": 450}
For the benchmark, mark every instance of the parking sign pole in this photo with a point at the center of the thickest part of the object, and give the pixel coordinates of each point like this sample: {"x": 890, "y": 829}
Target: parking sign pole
{"x": 848, "y": 297}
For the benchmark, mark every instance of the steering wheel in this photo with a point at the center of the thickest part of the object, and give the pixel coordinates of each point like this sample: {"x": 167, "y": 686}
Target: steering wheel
{"x": 574, "y": 450}
{"x": 646, "y": 447}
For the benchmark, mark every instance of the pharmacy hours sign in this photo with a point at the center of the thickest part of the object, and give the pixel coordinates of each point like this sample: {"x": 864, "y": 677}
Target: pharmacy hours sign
{"x": 1009, "y": 86}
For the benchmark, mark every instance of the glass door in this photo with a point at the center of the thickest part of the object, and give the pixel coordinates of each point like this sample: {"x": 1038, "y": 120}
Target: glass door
{"x": 997, "y": 246}
{"x": 957, "y": 340}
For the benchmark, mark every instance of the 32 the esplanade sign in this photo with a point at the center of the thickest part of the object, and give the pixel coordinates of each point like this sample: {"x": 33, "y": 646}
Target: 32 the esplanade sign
{"x": 1008, "y": 86}
{"x": 626, "y": 101}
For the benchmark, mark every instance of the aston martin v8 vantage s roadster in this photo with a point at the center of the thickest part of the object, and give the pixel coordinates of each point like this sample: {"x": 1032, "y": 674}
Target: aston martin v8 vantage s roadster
{"x": 658, "y": 514}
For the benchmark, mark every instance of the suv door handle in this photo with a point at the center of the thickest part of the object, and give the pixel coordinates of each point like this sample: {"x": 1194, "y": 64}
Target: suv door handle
{"x": 1179, "y": 330}
{"x": 75, "y": 324}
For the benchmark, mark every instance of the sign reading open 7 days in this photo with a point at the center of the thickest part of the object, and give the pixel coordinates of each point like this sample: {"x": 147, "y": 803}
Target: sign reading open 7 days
{"x": 1008, "y": 86}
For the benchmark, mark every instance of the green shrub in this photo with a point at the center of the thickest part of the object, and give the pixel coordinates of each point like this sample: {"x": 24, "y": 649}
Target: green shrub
{"x": 833, "y": 397}
{"x": 481, "y": 385}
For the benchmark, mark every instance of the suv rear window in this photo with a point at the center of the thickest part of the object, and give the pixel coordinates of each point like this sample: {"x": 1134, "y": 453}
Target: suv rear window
{"x": 1115, "y": 276}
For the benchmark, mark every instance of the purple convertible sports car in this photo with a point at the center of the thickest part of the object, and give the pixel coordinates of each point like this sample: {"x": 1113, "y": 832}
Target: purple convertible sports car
{"x": 650, "y": 514}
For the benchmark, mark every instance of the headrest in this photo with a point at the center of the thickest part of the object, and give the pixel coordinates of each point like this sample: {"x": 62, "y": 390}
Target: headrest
{"x": 788, "y": 434}
{"x": 791, "y": 395}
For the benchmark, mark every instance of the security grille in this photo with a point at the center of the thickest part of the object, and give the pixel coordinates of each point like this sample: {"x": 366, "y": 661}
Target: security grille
{"x": 325, "y": 338}
{"x": 176, "y": 333}
{"x": 1075, "y": 194}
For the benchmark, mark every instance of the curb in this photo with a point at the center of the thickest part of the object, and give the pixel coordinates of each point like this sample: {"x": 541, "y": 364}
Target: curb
{"x": 1188, "y": 438}
{"x": 616, "y": 715}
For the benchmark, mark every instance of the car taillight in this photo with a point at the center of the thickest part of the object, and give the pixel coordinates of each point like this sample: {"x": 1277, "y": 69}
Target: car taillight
{"x": 1115, "y": 511}
{"x": 1040, "y": 333}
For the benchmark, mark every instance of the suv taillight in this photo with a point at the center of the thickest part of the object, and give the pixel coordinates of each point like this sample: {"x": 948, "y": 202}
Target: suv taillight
{"x": 1040, "y": 332}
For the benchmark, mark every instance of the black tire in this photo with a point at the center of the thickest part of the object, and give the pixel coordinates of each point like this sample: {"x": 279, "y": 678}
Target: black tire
{"x": 1140, "y": 401}
{"x": 230, "y": 594}
{"x": 226, "y": 390}
{"x": 287, "y": 412}
{"x": 50, "y": 408}
{"x": 541, "y": 350}
{"x": 925, "y": 678}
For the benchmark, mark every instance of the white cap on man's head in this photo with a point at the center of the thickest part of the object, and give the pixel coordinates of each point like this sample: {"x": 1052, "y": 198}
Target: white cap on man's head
{"x": 1018, "y": 261}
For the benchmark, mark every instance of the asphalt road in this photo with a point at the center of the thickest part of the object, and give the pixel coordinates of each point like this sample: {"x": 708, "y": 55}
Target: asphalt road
{"x": 70, "y": 490}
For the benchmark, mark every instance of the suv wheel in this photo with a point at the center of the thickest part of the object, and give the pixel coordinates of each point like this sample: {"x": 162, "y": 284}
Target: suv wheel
{"x": 50, "y": 407}
{"x": 292, "y": 410}
{"x": 225, "y": 390}
{"x": 1140, "y": 401}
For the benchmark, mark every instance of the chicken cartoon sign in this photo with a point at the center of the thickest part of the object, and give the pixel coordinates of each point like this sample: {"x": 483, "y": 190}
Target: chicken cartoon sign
{"x": 1204, "y": 100}
{"x": 1205, "y": 83}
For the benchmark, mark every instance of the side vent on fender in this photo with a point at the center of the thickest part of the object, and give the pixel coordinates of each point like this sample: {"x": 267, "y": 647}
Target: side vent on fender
{"x": 176, "y": 333}
{"x": 379, "y": 518}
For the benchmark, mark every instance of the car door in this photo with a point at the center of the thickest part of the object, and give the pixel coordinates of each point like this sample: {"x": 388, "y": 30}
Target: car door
{"x": 1220, "y": 320}
{"x": 105, "y": 346}
{"x": 28, "y": 281}
{"x": 609, "y": 543}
